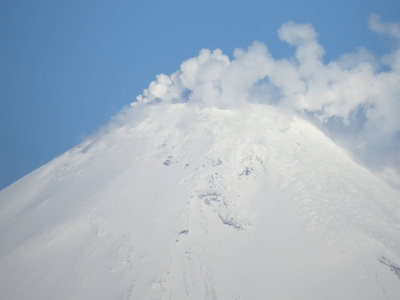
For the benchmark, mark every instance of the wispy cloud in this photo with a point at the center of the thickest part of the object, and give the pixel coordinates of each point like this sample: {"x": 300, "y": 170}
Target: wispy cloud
{"x": 391, "y": 29}
{"x": 356, "y": 97}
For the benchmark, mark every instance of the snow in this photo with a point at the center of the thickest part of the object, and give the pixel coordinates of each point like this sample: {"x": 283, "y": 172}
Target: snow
{"x": 187, "y": 201}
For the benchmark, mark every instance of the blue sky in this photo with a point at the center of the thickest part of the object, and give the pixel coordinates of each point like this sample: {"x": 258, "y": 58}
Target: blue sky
{"x": 68, "y": 66}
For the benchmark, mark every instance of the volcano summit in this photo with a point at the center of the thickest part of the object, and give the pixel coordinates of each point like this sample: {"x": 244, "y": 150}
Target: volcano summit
{"x": 211, "y": 186}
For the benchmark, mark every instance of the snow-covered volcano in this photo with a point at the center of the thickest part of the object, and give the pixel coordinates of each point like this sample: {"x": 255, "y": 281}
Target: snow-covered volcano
{"x": 213, "y": 186}
{"x": 192, "y": 202}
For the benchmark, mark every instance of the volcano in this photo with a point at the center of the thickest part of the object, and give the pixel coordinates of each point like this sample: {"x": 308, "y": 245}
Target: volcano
{"x": 219, "y": 182}
{"x": 187, "y": 201}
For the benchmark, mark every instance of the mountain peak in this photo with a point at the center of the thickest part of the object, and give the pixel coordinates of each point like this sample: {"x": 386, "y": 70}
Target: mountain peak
{"x": 184, "y": 200}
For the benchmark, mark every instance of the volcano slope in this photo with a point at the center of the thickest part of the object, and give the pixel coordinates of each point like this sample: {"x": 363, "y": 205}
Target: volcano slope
{"x": 186, "y": 201}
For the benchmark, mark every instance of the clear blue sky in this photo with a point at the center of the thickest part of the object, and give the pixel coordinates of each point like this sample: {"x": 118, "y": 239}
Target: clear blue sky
{"x": 68, "y": 66}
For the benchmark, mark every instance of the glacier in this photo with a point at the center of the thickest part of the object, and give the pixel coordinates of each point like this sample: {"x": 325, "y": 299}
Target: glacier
{"x": 187, "y": 201}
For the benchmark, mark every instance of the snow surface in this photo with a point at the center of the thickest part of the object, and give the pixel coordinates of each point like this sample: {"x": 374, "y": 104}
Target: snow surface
{"x": 185, "y": 201}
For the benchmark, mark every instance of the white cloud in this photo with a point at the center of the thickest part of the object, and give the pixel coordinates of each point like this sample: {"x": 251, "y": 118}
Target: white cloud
{"x": 358, "y": 90}
{"x": 391, "y": 29}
